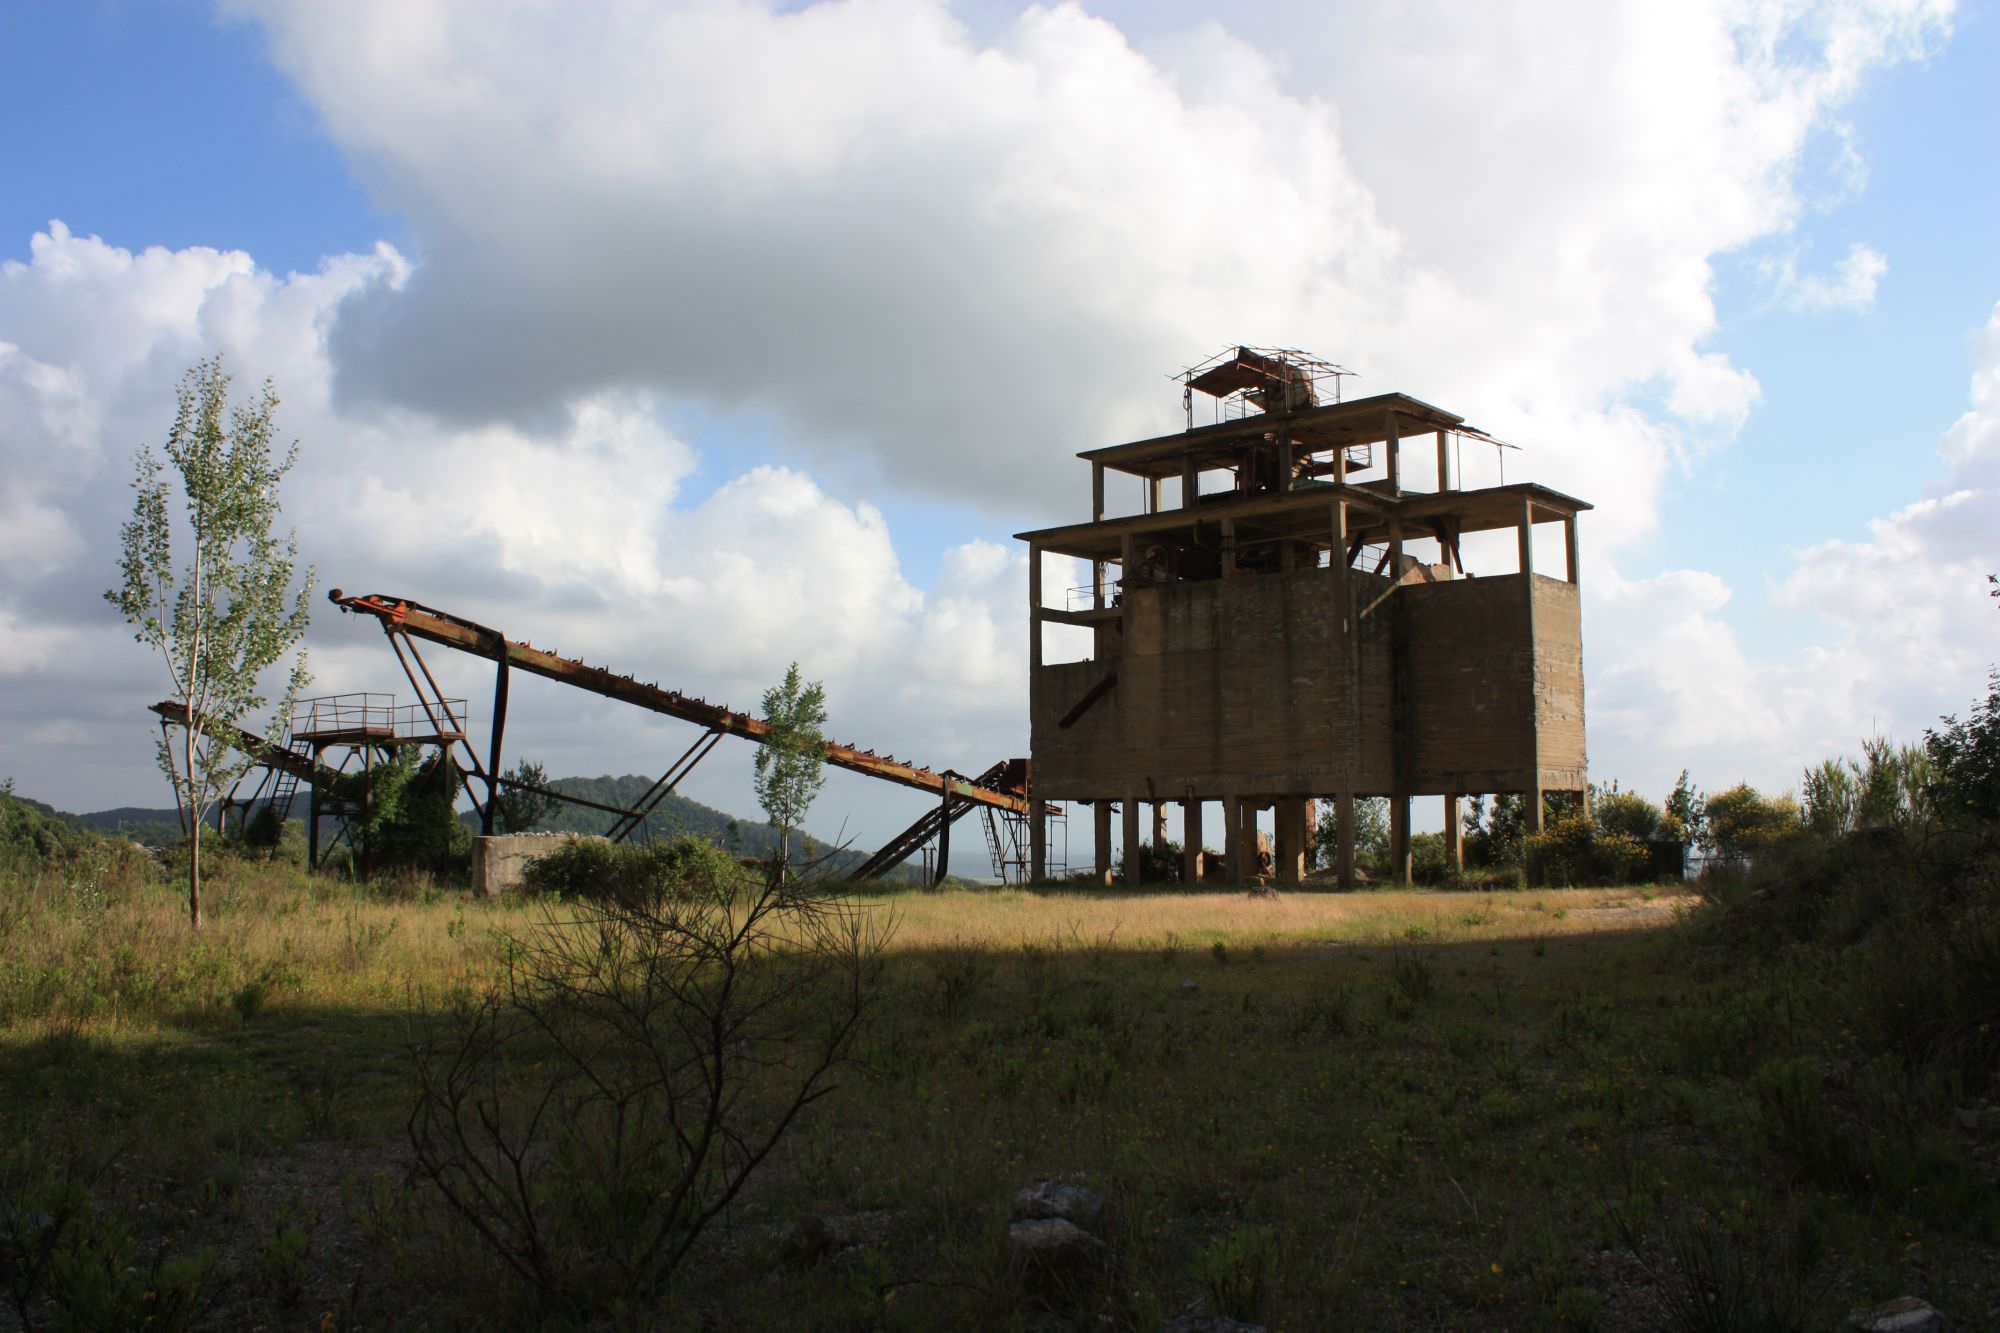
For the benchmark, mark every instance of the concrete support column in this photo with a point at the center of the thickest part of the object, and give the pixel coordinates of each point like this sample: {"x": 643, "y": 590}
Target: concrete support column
{"x": 1454, "y": 845}
{"x": 1191, "y": 867}
{"x": 1399, "y": 838}
{"x": 1232, "y": 838}
{"x": 1159, "y": 824}
{"x": 1133, "y": 873}
{"x": 1343, "y": 857}
{"x": 1038, "y": 831}
{"x": 1312, "y": 828}
{"x": 1291, "y": 840}
{"x": 1100, "y": 821}
{"x": 1249, "y": 810}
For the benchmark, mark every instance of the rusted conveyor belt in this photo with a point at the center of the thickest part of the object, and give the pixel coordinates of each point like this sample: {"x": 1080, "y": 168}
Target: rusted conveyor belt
{"x": 400, "y": 615}
{"x": 269, "y": 753}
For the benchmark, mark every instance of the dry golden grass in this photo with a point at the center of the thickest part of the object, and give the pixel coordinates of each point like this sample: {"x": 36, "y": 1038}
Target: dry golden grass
{"x": 117, "y": 953}
{"x": 1011, "y": 918}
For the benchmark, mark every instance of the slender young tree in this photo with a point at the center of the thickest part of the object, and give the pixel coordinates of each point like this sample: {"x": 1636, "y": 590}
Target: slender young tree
{"x": 227, "y": 614}
{"x": 791, "y": 764}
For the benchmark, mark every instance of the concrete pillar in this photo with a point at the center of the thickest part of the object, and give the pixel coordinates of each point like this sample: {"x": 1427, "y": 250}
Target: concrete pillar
{"x": 1343, "y": 860}
{"x": 1134, "y": 875}
{"x": 1399, "y": 838}
{"x": 1038, "y": 832}
{"x": 1454, "y": 845}
{"x": 1100, "y": 830}
{"x": 1191, "y": 867}
{"x": 1159, "y": 823}
{"x": 1291, "y": 850}
{"x": 1249, "y": 811}
{"x": 1232, "y": 839}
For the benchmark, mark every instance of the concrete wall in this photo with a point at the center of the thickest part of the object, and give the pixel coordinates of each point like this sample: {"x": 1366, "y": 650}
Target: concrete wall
{"x": 499, "y": 862}
{"x": 1559, "y": 684}
{"x": 1241, "y": 687}
{"x": 1469, "y": 664}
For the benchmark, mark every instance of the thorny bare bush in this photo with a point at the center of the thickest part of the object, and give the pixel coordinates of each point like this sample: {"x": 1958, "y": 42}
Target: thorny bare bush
{"x": 643, "y": 1055}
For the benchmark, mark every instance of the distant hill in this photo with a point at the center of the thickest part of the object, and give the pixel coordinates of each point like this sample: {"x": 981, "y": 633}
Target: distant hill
{"x": 153, "y": 827}
{"x": 675, "y": 815}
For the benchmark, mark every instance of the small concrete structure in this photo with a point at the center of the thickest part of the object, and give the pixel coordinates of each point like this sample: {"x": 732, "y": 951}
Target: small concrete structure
{"x": 499, "y": 862}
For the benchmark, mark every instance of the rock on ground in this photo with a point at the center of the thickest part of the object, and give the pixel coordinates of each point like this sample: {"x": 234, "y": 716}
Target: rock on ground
{"x": 1052, "y": 1198}
{"x": 1053, "y": 1260}
{"x": 1905, "y": 1314}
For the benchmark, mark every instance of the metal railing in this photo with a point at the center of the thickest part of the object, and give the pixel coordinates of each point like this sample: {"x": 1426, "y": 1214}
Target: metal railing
{"x": 375, "y": 715}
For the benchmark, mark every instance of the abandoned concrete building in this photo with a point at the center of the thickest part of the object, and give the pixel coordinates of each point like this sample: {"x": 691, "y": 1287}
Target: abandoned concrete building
{"x": 1290, "y": 619}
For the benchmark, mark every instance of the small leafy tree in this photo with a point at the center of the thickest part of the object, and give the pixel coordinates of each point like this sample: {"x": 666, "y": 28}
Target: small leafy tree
{"x": 227, "y": 614}
{"x": 1743, "y": 822}
{"x": 1629, "y": 814}
{"x": 791, "y": 763}
{"x": 520, "y": 809}
{"x": 1688, "y": 808}
{"x": 1965, "y": 760}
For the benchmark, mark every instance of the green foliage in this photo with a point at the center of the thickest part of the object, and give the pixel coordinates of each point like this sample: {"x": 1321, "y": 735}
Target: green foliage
{"x": 1575, "y": 850}
{"x": 1236, "y": 1270}
{"x": 224, "y": 617}
{"x": 1493, "y": 833}
{"x": 1160, "y": 862}
{"x": 519, "y": 811}
{"x": 1890, "y": 786}
{"x": 265, "y": 830}
{"x": 412, "y": 820}
{"x": 70, "y": 1262}
{"x": 1631, "y": 815}
{"x": 31, "y": 833}
{"x": 1742, "y": 823}
{"x": 1428, "y": 863}
{"x": 1687, "y": 810}
{"x": 791, "y": 764}
{"x": 1371, "y": 833}
{"x": 592, "y": 868}
{"x": 1965, "y": 758}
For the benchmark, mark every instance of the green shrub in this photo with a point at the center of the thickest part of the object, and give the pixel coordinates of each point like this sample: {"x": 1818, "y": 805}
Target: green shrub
{"x": 592, "y": 868}
{"x": 1574, "y": 850}
{"x": 1160, "y": 862}
{"x": 1630, "y": 814}
{"x": 1236, "y": 1271}
{"x": 412, "y": 821}
{"x": 1965, "y": 758}
{"x": 1744, "y": 824}
{"x": 1428, "y": 863}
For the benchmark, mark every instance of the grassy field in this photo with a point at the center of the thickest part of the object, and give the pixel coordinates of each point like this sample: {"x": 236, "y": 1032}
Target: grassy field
{"x": 1532, "y": 1109}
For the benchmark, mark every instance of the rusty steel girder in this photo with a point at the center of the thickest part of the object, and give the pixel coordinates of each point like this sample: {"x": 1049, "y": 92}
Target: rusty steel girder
{"x": 400, "y": 615}
{"x": 249, "y": 742}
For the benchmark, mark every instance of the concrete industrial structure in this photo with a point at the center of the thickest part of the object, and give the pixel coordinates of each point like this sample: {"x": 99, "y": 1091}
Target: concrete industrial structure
{"x": 1288, "y": 621}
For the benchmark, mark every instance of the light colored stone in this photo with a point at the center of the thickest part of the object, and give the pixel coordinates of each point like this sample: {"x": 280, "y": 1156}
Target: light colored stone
{"x": 1054, "y": 1198}
{"x": 1905, "y": 1314}
{"x": 1053, "y": 1260}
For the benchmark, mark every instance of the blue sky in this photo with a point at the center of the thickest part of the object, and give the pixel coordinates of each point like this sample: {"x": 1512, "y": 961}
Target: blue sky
{"x": 857, "y": 325}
